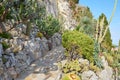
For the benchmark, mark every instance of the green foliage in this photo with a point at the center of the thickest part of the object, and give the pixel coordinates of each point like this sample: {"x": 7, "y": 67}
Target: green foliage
{"x": 86, "y": 26}
{"x": 109, "y": 58}
{"x": 48, "y": 26}
{"x": 97, "y": 60}
{"x": 81, "y": 12}
{"x": 1, "y": 10}
{"x": 5, "y": 35}
{"x": 116, "y": 60}
{"x": 82, "y": 43}
{"x": 75, "y": 1}
{"x": 29, "y": 13}
{"x": 94, "y": 68}
{"x": 5, "y": 45}
{"x": 72, "y": 66}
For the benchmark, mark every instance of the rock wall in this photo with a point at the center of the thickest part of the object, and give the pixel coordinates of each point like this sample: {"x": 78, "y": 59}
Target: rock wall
{"x": 61, "y": 9}
{"x": 66, "y": 13}
{"x": 51, "y": 7}
{"x": 22, "y": 53}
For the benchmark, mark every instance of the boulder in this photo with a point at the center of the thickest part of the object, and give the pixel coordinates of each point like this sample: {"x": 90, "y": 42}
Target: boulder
{"x": 106, "y": 74}
{"x": 83, "y": 62}
{"x": 12, "y": 72}
{"x": 56, "y": 40}
{"x": 89, "y": 75}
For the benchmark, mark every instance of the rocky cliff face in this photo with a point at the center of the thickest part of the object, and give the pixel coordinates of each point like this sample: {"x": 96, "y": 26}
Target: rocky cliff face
{"x": 66, "y": 13}
{"x": 51, "y": 7}
{"x": 61, "y": 9}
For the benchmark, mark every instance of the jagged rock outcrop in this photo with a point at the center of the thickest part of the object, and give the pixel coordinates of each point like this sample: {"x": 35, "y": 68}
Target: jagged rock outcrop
{"x": 23, "y": 53}
{"x": 107, "y": 72}
{"x": 66, "y": 13}
{"x": 51, "y": 7}
{"x": 89, "y": 75}
{"x": 61, "y": 9}
{"x": 47, "y": 68}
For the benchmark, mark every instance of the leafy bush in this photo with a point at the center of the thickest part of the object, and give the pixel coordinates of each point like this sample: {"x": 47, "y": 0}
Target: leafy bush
{"x": 83, "y": 44}
{"x": 48, "y": 26}
{"x": 5, "y": 35}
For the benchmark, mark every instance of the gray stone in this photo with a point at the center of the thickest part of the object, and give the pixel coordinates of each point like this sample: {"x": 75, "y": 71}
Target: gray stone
{"x": 1, "y": 50}
{"x": 44, "y": 44}
{"x": 1, "y": 66}
{"x": 51, "y": 7}
{"x": 106, "y": 74}
{"x": 89, "y": 75}
{"x": 56, "y": 40}
{"x": 33, "y": 32}
{"x": 11, "y": 61}
{"x": 104, "y": 62}
{"x": 12, "y": 72}
{"x": 84, "y": 62}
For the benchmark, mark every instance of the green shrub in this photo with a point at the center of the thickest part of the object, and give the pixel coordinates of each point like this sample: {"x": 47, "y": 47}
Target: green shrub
{"x": 83, "y": 44}
{"x": 48, "y": 26}
{"x": 5, "y": 35}
{"x": 5, "y": 45}
{"x": 1, "y": 10}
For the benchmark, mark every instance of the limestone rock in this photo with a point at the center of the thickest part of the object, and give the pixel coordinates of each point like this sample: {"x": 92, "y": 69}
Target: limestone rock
{"x": 84, "y": 62}
{"x": 51, "y": 7}
{"x": 65, "y": 12}
{"x": 106, "y": 74}
{"x": 89, "y": 75}
{"x": 104, "y": 62}
{"x": 56, "y": 40}
{"x": 12, "y": 72}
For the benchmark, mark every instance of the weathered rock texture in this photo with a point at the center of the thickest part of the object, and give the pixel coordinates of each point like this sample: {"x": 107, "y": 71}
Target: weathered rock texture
{"x": 22, "y": 53}
{"x": 61, "y": 9}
